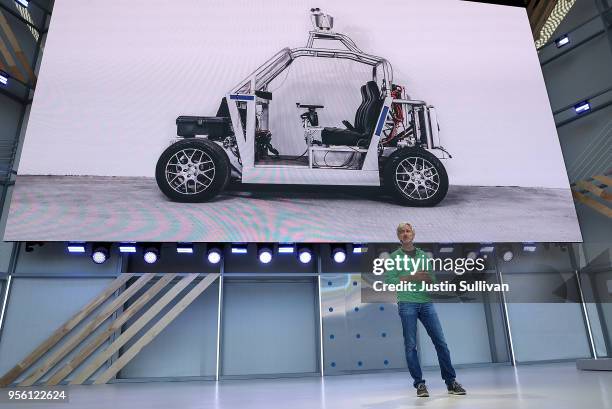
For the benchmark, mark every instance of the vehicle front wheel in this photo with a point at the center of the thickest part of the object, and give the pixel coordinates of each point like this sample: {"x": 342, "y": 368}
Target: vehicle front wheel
{"x": 415, "y": 177}
{"x": 192, "y": 170}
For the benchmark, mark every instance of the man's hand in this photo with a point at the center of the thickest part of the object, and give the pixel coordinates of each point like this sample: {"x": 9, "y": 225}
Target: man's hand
{"x": 418, "y": 276}
{"x": 423, "y": 276}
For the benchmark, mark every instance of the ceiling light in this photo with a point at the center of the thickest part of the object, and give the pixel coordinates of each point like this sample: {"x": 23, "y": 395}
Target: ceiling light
{"x": 151, "y": 255}
{"x": 582, "y": 107}
{"x": 127, "y": 248}
{"x": 76, "y": 248}
{"x": 184, "y": 248}
{"x": 286, "y": 248}
{"x": 305, "y": 255}
{"x": 239, "y": 249}
{"x": 214, "y": 255}
{"x": 560, "y": 42}
{"x": 339, "y": 254}
{"x": 265, "y": 255}
{"x": 99, "y": 254}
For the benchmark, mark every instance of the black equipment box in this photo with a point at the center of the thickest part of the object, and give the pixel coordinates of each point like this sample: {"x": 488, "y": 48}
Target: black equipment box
{"x": 214, "y": 127}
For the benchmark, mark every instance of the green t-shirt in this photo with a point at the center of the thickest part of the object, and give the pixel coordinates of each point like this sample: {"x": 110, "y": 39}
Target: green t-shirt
{"x": 393, "y": 277}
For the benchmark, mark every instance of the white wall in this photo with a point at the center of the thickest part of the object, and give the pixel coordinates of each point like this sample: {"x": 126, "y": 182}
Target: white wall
{"x": 36, "y": 308}
{"x": 459, "y": 320}
{"x": 116, "y": 74}
{"x": 547, "y": 331}
{"x": 186, "y": 347}
{"x": 269, "y": 327}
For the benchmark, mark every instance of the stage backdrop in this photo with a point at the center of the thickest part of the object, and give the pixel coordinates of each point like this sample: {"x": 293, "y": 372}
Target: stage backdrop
{"x": 116, "y": 74}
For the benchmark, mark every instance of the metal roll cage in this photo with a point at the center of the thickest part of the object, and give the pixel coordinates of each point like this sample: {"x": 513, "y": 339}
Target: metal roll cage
{"x": 258, "y": 80}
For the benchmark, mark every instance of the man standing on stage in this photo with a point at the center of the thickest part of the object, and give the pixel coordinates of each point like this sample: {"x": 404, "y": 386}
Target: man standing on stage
{"x": 416, "y": 305}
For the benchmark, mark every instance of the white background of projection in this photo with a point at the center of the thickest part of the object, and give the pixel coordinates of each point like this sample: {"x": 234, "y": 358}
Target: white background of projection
{"x": 116, "y": 74}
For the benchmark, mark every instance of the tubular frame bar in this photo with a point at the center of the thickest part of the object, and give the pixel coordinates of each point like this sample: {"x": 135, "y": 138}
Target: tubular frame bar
{"x": 507, "y": 320}
{"x": 319, "y": 299}
{"x": 587, "y": 321}
{"x": 219, "y": 320}
{"x": 269, "y": 70}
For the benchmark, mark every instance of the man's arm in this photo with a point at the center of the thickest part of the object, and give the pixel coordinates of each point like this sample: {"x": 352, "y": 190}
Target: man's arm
{"x": 418, "y": 276}
{"x": 426, "y": 274}
{"x": 429, "y": 271}
{"x": 391, "y": 277}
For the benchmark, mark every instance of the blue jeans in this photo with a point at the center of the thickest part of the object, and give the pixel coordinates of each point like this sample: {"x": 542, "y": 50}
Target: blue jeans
{"x": 409, "y": 313}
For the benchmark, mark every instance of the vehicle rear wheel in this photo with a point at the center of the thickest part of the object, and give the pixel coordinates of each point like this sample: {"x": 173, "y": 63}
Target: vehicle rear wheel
{"x": 192, "y": 170}
{"x": 415, "y": 177}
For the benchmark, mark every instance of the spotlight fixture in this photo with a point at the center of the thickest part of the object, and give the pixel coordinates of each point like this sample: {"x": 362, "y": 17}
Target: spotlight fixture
{"x": 151, "y": 254}
{"x": 582, "y": 107}
{"x": 339, "y": 254}
{"x": 184, "y": 248}
{"x": 213, "y": 255}
{"x": 76, "y": 248}
{"x": 384, "y": 254}
{"x": 487, "y": 248}
{"x": 507, "y": 255}
{"x": 4, "y": 78}
{"x": 305, "y": 255}
{"x": 127, "y": 248}
{"x": 264, "y": 254}
{"x": 446, "y": 248}
{"x": 529, "y": 247}
{"x": 561, "y": 41}
{"x": 358, "y": 249}
{"x": 286, "y": 248}
{"x": 29, "y": 245}
{"x": 24, "y": 3}
{"x": 239, "y": 249}
{"x": 100, "y": 253}
{"x": 471, "y": 255}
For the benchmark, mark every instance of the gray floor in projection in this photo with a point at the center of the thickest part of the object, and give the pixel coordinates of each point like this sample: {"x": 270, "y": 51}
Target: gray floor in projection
{"x": 59, "y": 208}
{"x": 558, "y": 386}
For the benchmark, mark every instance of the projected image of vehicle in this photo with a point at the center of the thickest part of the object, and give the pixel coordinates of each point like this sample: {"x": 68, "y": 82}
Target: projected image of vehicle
{"x": 393, "y": 140}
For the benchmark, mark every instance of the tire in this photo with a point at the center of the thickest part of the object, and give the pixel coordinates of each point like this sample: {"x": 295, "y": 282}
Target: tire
{"x": 415, "y": 177}
{"x": 192, "y": 170}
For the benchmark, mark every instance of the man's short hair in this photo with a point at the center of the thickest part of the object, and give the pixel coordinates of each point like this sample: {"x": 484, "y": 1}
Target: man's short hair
{"x": 402, "y": 225}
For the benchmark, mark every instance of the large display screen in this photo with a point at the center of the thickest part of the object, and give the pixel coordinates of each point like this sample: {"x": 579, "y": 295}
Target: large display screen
{"x": 275, "y": 121}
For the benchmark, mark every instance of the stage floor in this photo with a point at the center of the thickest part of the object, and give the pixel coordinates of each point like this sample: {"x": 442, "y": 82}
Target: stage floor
{"x": 88, "y": 208}
{"x": 558, "y": 386}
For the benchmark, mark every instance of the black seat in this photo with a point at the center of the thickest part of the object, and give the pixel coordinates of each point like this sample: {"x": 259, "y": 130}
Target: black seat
{"x": 365, "y": 121}
{"x": 359, "y": 113}
{"x": 358, "y": 127}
